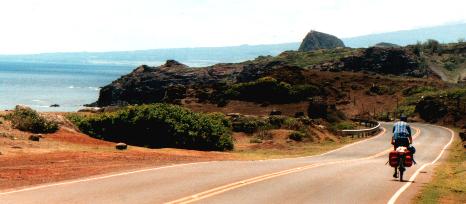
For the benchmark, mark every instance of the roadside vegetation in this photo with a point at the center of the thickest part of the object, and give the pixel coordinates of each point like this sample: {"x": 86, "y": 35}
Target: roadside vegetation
{"x": 448, "y": 184}
{"x": 27, "y": 119}
{"x": 432, "y": 105}
{"x": 159, "y": 125}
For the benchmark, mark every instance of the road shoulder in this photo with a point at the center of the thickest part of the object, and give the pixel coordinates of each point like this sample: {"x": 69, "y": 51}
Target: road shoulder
{"x": 442, "y": 182}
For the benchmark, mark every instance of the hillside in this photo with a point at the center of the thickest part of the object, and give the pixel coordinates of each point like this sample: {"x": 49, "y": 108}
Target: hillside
{"x": 446, "y": 60}
{"x": 173, "y": 80}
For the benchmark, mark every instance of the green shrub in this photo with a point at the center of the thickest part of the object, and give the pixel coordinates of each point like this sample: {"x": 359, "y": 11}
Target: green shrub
{"x": 344, "y": 125}
{"x": 432, "y": 45}
{"x": 450, "y": 66}
{"x": 263, "y": 89}
{"x": 293, "y": 124}
{"x": 317, "y": 109}
{"x": 407, "y": 110}
{"x": 297, "y": 136}
{"x": 159, "y": 125}
{"x": 418, "y": 89}
{"x": 276, "y": 121}
{"x": 301, "y": 92}
{"x": 249, "y": 124}
{"x": 27, "y": 119}
{"x": 268, "y": 89}
{"x": 380, "y": 90}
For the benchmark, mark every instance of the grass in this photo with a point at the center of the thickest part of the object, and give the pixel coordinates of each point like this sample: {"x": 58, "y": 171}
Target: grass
{"x": 448, "y": 184}
{"x": 304, "y": 59}
{"x": 293, "y": 150}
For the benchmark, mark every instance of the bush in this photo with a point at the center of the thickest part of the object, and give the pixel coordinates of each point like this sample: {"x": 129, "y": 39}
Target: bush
{"x": 268, "y": 89}
{"x": 317, "y": 109}
{"x": 418, "y": 89}
{"x": 293, "y": 124}
{"x": 432, "y": 45}
{"x": 301, "y": 92}
{"x": 249, "y": 125}
{"x": 297, "y": 136}
{"x": 345, "y": 125}
{"x": 380, "y": 90}
{"x": 159, "y": 125}
{"x": 276, "y": 121}
{"x": 407, "y": 110}
{"x": 263, "y": 89}
{"x": 450, "y": 66}
{"x": 27, "y": 119}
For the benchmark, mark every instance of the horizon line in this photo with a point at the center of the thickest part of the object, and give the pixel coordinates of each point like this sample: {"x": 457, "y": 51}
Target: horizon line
{"x": 223, "y": 46}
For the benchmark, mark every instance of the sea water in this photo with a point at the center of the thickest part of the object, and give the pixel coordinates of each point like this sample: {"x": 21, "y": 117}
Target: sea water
{"x": 40, "y": 85}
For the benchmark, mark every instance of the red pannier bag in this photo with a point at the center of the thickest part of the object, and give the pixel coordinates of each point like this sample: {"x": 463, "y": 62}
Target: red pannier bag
{"x": 408, "y": 160}
{"x": 393, "y": 158}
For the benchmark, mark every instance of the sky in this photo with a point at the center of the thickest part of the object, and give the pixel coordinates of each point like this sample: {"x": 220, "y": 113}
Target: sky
{"x": 38, "y": 26}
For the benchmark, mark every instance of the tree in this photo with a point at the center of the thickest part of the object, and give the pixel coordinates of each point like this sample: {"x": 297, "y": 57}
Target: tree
{"x": 432, "y": 45}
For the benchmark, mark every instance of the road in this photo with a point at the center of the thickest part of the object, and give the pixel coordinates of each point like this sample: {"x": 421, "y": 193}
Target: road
{"x": 353, "y": 174}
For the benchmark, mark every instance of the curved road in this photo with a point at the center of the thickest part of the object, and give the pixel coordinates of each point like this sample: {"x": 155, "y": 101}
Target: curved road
{"x": 354, "y": 174}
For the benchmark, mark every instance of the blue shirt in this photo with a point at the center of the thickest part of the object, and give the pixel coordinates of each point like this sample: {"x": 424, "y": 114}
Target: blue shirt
{"x": 401, "y": 129}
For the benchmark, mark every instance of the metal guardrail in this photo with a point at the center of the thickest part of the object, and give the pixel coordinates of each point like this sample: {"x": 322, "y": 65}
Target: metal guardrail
{"x": 363, "y": 132}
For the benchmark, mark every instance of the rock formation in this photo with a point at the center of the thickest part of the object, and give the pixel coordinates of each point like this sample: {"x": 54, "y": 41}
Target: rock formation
{"x": 315, "y": 40}
{"x": 395, "y": 61}
{"x": 162, "y": 84}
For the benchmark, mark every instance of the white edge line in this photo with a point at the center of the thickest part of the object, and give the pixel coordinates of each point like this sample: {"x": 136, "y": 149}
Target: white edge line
{"x": 164, "y": 167}
{"x": 404, "y": 187}
{"x": 98, "y": 178}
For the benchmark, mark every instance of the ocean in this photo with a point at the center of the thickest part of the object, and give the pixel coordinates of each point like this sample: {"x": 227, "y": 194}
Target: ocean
{"x": 39, "y": 85}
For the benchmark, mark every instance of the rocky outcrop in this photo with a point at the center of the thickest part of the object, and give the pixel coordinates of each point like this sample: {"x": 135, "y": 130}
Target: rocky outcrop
{"x": 165, "y": 83}
{"x": 395, "y": 61}
{"x": 315, "y": 40}
{"x": 174, "y": 81}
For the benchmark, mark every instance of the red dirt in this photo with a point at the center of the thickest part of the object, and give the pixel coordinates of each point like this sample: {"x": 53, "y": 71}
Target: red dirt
{"x": 68, "y": 154}
{"x": 31, "y": 169}
{"x": 71, "y": 136}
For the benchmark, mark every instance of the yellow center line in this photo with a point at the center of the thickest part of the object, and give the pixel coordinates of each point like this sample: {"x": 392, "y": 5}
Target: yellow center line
{"x": 238, "y": 184}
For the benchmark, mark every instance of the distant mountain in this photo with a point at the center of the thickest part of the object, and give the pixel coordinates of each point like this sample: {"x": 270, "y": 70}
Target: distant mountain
{"x": 443, "y": 34}
{"x": 194, "y": 57}
{"x": 198, "y": 57}
{"x": 386, "y": 45}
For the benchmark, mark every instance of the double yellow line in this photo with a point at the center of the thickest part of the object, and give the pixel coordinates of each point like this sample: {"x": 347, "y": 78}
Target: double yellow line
{"x": 238, "y": 184}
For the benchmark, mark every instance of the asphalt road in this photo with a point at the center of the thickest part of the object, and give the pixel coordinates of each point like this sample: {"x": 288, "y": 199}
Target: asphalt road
{"x": 353, "y": 174}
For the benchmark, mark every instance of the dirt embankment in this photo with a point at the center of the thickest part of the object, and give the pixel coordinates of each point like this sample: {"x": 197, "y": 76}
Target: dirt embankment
{"x": 68, "y": 154}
